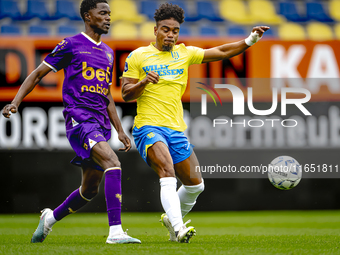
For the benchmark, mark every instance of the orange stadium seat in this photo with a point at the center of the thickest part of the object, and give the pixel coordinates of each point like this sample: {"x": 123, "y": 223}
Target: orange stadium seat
{"x": 264, "y": 11}
{"x": 123, "y": 30}
{"x": 125, "y": 10}
{"x": 334, "y": 9}
{"x": 235, "y": 11}
{"x": 319, "y": 31}
{"x": 291, "y": 31}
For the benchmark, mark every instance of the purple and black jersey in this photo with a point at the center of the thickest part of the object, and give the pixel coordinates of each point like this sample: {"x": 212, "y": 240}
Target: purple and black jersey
{"x": 88, "y": 68}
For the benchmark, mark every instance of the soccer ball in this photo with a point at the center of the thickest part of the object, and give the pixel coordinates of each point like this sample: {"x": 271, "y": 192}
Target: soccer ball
{"x": 284, "y": 172}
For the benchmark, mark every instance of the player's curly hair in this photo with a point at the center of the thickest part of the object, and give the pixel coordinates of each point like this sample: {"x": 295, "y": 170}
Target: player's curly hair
{"x": 168, "y": 11}
{"x": 87, "y": 5}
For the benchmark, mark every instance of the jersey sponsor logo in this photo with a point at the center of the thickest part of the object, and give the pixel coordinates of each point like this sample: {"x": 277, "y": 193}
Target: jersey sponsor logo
{"x": 97, "y": 48}
{"x": 174, "y": 55}
{"x": 89, "y": 73}
{"x": 126, "y": 67}
{"x": 163, "y": 70}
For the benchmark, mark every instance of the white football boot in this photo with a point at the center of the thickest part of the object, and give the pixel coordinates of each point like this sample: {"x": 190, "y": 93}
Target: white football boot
{"x": 166, "y": 222}
{"x": 43, "y": 229}
{"x": 122, "y": 238}
{"x": 185, "y": 233}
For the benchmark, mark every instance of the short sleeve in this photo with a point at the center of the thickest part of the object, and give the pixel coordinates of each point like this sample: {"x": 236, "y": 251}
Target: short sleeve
{"x": 60, "y": 57}
{"x": 196, "y": 55}
{"x": 131, "y": 68}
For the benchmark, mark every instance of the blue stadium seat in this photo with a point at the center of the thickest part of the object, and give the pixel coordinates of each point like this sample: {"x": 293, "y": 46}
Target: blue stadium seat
{"x": 9, "y": 8}
{"x": 206, "y": 10}
{"x": 185, "y": 30}
{"x": 289, "y": 10}
{"x": 148, "y": 8}
{"x": 316, "y": 11}
{"x": 237, "y": 31}
{"x": 208, "y": 31}
{"x": 38, "y": 30}
{"x": 37, "y": 9}
{"x": 10, "y": 29}
{"x": 188, "y": 16}
{"x": 66, "y": 9}
{"x": 67, "y": 30}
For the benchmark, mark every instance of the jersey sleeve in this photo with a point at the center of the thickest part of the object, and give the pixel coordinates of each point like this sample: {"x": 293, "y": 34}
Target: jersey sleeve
{"x": 60, "y": 57}
{"x": 131, "y": 68}
{"x": 196, "y": 55}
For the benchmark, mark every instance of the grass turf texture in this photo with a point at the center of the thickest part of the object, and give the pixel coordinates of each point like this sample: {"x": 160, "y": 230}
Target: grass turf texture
{"x": 268, "y": 232}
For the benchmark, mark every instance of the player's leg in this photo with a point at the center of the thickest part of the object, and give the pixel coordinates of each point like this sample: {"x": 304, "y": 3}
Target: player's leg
{"x": 90, "y": 183}
{"x": 105, "y": 157}
{"x": 159, "y": 158}
{"x": 192, "y": 183}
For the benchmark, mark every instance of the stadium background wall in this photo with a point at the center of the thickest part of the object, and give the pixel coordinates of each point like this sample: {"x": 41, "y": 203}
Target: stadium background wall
{"x": 35, "y": 156}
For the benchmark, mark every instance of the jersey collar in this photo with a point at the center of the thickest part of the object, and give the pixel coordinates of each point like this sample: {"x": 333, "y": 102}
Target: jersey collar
{"x": 91, "y": 40}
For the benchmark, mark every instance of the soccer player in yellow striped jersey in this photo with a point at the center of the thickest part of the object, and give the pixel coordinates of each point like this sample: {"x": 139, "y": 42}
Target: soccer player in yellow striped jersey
{"x": 156, "y": 75}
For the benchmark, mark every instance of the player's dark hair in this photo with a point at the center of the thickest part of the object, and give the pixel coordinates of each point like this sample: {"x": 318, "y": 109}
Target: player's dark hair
{"x": 87, "y": 5}
{"x": 168, "y": 11}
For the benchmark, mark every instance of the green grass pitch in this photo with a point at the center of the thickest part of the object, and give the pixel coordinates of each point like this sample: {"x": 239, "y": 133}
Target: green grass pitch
{"x": 267, "y": 232}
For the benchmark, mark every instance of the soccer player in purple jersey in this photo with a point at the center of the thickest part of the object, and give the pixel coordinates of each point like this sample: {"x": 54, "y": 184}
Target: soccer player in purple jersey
{"x": 89, "y": 109}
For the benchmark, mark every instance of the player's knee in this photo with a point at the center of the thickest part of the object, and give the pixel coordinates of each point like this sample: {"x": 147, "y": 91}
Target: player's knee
{"x": 196, "y": 189}
{"x": 110, "y": 159}
{"x": 166, "y": 171}
{"x": 90, "y": 191}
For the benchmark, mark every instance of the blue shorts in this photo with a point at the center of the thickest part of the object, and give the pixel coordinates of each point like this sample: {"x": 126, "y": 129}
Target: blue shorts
{"x": 82, "y": 138}
{"x": 178, "y": 144}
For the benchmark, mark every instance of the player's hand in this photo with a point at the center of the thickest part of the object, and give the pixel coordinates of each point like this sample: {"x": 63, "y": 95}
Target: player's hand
{"x": 151, "y": 77}
{"x": 8, "y": 109}
{"x": 260, "y": 30}
{"x": 125, "y": 140}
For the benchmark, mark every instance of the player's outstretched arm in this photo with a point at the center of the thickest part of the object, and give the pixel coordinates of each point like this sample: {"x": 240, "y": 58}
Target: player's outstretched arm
{"x": 132, "y": 88}
{"x": 229, "y": 50}
{"x": 111, "y": 110}
{"x": 28, "y": 85}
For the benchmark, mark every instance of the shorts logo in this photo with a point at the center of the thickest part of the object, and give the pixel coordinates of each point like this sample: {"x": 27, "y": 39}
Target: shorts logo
{"x": 119, "y": 196}
{"x": 96, "y": 135}
{"x": 85, "y": 146}
{"x": 150, "y": 135}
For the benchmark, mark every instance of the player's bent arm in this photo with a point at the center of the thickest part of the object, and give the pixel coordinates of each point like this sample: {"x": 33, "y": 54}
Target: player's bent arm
{"x": 112, "y": 112}
{"x": 229, "y": 50}
{"x": 133, "y": 88}
{"x": 27, "y": 86}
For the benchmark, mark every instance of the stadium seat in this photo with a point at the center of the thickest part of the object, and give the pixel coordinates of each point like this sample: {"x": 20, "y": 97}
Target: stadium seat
{"x": 316, "y": 11}
{"x": 36, "y": 9}
{"x": 239, "y": 31}
{"x": 264, "y": 11}
{"x": 206, "y": 10}
{"x": 291, "y": 31}
{"x": 125, "y": 10}
{"x": 337, "y": 31}
{"x": 124, "y": 30}
{"x": 147, "y": 31}
{"x": 67, "y": 30}
{"x": 10, "y": 30}
{"x": 148, "y": 8}
{"x": 38, "y": 30}
{"x": 235, "y": 11}
{"x": 9, "y": 8}
{"x": 189, "y": 16}
{"x": 319, "y": 32}
{"x": 66, "y": 9}
{"x": 208, "y": 31}
{"x": 289, "y": 10}
{"x": 334, "y": 7}
{"x": 185, "y": 30}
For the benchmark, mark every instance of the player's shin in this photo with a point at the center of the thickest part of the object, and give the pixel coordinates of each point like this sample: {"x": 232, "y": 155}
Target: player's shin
{"x": 170, "y": 201}
{"x": 113, "y": 195}
{"x": 188, "y": 196}
{"x": 72, "y": 203}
